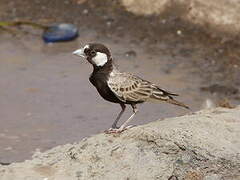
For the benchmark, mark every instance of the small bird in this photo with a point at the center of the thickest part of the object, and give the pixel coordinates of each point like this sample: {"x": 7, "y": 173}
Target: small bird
{"x": 121, "y": 87}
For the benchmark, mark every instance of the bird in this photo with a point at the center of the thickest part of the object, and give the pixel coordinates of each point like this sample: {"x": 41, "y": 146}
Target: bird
{"x": 121, "y": 87}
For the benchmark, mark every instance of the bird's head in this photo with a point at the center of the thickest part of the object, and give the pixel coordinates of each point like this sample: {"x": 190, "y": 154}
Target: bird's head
{"x": 96, "y": 54}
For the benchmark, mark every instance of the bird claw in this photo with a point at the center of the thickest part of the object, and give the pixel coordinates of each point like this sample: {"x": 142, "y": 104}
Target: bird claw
{"x": 113, "y": 131}
{"x": 117, "y": 130}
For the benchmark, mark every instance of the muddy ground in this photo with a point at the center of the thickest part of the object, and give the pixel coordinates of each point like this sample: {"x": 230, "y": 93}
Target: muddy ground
{"x": 46, "y": 98}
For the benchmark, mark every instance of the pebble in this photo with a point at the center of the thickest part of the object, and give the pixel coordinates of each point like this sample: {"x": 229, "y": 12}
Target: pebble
{"x": 131, "y": 53}
{"x": 85, "y": 11}
{"x": 179, "y": 32}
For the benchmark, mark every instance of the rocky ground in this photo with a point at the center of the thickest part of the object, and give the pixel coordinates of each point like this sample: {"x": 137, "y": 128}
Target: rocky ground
{"x": 200, "y": 146}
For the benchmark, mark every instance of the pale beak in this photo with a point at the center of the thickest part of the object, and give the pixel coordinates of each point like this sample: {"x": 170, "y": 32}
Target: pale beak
{"x": 79, "y": 52}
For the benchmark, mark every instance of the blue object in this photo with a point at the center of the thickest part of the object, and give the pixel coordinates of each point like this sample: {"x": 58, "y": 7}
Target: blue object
{"x": 60, "y": 32}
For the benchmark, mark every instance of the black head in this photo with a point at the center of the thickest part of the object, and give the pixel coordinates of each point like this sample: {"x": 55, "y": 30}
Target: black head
{"x": 96, "y": 54}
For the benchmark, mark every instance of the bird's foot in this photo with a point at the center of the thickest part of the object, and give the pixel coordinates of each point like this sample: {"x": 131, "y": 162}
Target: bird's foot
{"x": 113, "y": 131}
{"x": 117, "y": 130}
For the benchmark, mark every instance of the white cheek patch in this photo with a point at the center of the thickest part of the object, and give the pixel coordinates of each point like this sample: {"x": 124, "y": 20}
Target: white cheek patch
{"x": 100, "y": 59}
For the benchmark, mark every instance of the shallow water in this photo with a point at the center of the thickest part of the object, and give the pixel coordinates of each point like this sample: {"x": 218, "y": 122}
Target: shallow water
{"x": 47, "y": 100}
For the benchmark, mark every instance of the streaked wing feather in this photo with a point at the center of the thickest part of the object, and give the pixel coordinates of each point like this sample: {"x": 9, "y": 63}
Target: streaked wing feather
{"x": 128, "y": 87}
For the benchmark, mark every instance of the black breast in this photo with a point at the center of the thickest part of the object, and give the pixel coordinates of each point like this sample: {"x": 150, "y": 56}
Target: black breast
{"x": 99, "y": 79}
{"x": 100, "y": 82}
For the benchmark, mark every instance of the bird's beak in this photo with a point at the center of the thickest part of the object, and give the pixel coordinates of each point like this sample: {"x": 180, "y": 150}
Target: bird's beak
{"x": 79, "y": 52}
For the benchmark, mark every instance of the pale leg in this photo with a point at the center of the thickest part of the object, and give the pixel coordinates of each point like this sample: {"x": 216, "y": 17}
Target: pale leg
{"x": 114, "y": 125}
{"x": 124, "y": 125}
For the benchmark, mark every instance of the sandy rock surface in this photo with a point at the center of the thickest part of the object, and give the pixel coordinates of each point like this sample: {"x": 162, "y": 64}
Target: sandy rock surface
{"x": 204, "y": 145}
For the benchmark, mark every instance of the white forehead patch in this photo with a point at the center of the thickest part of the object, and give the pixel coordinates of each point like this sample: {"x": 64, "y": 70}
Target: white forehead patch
{"x": 100, "y": 59}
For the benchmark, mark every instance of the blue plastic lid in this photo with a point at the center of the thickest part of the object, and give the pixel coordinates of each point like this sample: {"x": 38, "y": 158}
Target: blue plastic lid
{"x": 60, "y": 32}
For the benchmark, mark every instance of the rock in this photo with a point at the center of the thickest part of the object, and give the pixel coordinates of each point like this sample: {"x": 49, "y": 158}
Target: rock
{"x": 202, "y": 146}
{"x": 4, "y": 163}
{"x": 214, "y": 14}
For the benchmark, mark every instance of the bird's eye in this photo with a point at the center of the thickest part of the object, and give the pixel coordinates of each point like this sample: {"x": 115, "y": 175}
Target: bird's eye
{"x": 93, "y": 53}
{"x": 86, "y": 50}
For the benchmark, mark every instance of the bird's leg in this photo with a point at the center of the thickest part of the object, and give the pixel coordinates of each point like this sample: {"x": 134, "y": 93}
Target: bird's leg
{"x": 114, "y": 125}
{"x": 124, "y": 125}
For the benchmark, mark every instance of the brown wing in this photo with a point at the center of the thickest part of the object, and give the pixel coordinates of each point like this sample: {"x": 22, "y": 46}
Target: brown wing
{"x": 128, "y": 87}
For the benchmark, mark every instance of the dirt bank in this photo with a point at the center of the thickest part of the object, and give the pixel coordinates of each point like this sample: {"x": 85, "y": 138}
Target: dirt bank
{"x": 204, "y": 145}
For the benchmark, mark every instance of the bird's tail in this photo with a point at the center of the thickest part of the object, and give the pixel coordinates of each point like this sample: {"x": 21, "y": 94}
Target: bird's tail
{"x": 175, "y": 102}
{"x": 162, "y": 95}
